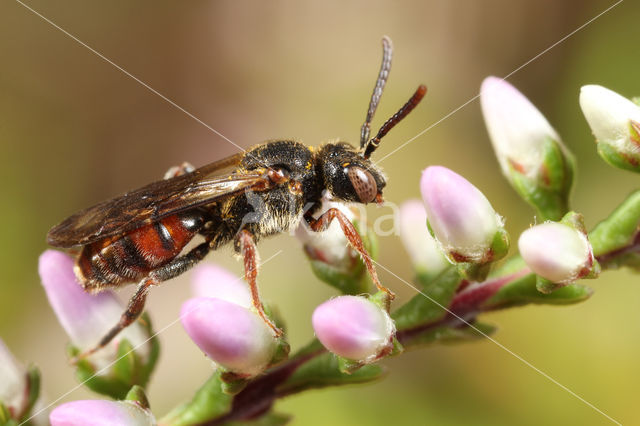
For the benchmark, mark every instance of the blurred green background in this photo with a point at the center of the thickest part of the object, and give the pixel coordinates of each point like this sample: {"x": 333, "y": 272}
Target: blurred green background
{"x": 75, "y": 130}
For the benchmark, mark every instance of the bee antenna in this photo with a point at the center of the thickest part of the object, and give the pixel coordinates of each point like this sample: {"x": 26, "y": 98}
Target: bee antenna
{"x": 383, "y": 74}
{"x": 374, "y": 142}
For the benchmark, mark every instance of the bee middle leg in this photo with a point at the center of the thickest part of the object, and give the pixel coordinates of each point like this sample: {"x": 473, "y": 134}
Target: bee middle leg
{"x": 136, "y": 304}
{"x": 246, "y": 246}
{"x": 322, "y": 223}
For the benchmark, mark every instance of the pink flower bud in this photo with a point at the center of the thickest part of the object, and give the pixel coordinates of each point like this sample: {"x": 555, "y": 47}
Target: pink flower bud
{"x": 424, "y": 251}
{"x": 557, "y": 252}
{"x": 13, "y": 383}
{"x": 460, "y": 216}
{"x": 231, "y": 335}
{"x": 517, "y": 129}
{"x": 101, "y": 413}
{"x": 86, "y": 317}
{"x": 353, "y": 327}
{"x": 216, "y": 282}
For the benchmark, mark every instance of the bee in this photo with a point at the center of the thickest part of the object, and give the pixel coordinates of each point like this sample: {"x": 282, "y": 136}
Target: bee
{"x": 139, "y": 236}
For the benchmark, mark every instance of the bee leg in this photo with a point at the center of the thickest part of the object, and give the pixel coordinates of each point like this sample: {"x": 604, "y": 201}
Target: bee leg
{"x": 322, "y": 223}
{"x": 246, "y": 246}
{"x": 180, "y": 170}
{"x": 137, "y": 301}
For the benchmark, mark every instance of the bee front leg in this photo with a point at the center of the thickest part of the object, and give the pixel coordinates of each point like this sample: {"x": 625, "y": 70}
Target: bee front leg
{"x": 322, "y": 223}
{"x": 180, "y": 170}
{"x": 136, "y": 304}
{"x": 246, "y": 246}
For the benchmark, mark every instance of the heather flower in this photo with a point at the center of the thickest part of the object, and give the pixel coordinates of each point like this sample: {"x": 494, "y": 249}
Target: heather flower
{"x": 231, "y": 335}
{"x": 615, "y": 122}
{"x": 530, "y": 152}
{"x": 354, "y": 328}
{"x": 461, "y": 218}
{"x": 86, "y": 317}
{"x": 209, "y": 280}
{"x": 101, "y": 413}
{"x": 557, "y": 252}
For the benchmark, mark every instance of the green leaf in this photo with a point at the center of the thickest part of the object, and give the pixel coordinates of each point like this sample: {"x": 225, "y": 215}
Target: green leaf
{"x": 447, "y": 334}
{"x": 269, "y": 419}
{"x": 208, "y": 403}
{"x": 324, "y": 370}
{"x": 524, "y": 291}
{"x": 431, "y": 304}
{"x": 615, "y": 233}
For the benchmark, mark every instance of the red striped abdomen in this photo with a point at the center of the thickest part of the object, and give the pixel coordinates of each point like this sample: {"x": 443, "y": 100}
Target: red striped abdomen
{"x": 132, "y": 256}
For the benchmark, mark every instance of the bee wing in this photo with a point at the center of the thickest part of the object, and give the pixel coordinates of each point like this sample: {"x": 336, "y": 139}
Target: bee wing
{"x": 151, "y": 203}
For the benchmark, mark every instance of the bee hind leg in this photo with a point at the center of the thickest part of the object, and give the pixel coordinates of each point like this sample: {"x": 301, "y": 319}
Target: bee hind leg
{"x": 246, "y": 246}
{"x": 136, "y": 304}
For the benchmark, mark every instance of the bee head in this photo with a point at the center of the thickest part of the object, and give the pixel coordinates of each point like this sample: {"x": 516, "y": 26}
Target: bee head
{"x": 350, "y": 177}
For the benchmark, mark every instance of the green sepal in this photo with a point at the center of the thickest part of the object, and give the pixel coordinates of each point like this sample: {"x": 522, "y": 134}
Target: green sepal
{"x": 125, "y": 365}
{"x": 5, "y": 416}
{"x": 281, "y": 353}
{"x": 523, "y": 291}
{"x": 474, "y": 271}
{"x": 33, "y": 387}
{"x": 208, "y": 403}
{"x": 353, "y": 278}
{"x": 233, "y": 383}
{"x": 545, "y": 286}
{"x": 105, "y": 385}
{"x": 612, "y": 238}
{"x": 549, "y": 191}
{"x": 617, "y": 159}
{"x": 353, "y": 282}
{"x": 447, "y": 334}
{"x": 324, "y": 370}
{"x": 350, "y": 366}
{"x": 136, "y": 394}
{"x": 128, "y": 370}
{"x": 431, "y": 304}
{"x": 269, "y": 419}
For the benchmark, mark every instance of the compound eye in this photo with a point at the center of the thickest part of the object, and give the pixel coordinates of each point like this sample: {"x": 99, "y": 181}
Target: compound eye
{"x": 364, "y": 184}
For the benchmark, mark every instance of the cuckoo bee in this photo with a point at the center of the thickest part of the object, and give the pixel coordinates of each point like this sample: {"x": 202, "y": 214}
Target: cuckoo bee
{"x": 139, "y": 236}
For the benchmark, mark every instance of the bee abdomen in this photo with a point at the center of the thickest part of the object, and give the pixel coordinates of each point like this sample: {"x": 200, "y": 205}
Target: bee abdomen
{"x": 129, "y": 258}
